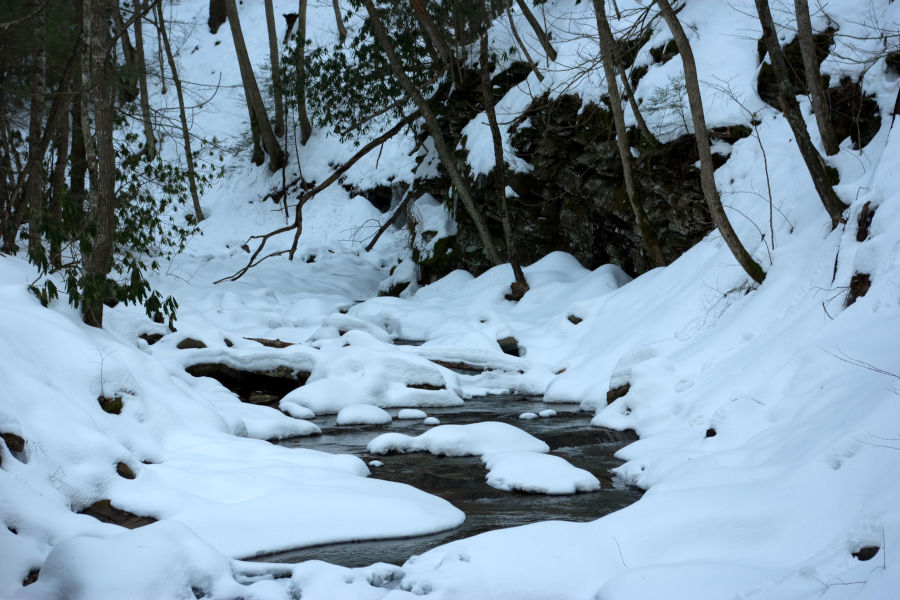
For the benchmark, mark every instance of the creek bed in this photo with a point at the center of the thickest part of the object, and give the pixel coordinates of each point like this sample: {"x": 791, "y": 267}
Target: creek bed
{"x": 461, "y": 480}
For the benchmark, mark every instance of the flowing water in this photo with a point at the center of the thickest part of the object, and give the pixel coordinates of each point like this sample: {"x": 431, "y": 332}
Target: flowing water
{"x": 461, "y": 480}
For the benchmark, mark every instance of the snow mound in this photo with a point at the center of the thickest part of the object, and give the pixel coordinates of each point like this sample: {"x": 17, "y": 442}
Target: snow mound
{"x": 411, "y": 413}
{"x": 363, "y": 414}
{"x": 461, "y": 440}
{"x": 537, "y": 473}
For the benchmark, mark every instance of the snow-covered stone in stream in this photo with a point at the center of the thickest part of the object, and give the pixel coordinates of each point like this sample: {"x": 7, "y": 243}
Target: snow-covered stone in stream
{"x": 411, "y": 413}
{"x": 375, "y": 464}
{"x": 537, "y": 474}
{"x": 528, "y": 416}
{"x": 297, "y": 411}
{"x": 431, "y": 421}
{"x": 546, "y": 413}
{"x": 363, "y": 414}
{"x": 473, "y": 439}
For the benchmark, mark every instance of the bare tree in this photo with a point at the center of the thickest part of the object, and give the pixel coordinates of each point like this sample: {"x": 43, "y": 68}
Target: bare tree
{"x": 538, "y": 30}
{"x": 342, "y": 30}
{"x": 520, "y": 285}
{"x": 707, "y": 170}
{"x": 817, "y": 95}
{"x": 815, "y": 164}
{"x": 521, "y": 45}
{"x": 305, "y": 126}
{"x": 276, "y": 71}
{"x": 434, "y": 128}
{"x": 97, "y": 77}
{"x": 251, "y": 91}
{"x": 607, "y": 51}
{"x": 149, "y": 138}
{"x": 185, "y": 132}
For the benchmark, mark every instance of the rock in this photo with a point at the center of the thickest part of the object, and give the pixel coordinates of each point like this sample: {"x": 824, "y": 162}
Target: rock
{"x": 124, "y": 470}
{"x": 263, "y": 399}
{"x": 14, "y": 442}
{"x": 864, "y": 222}
{"x": 528, "y": 416}
{"x": 431, "y": 421}
{"x": 859, "y": 286}
{"x": 229, "y": 343}
{"x": 509, "y": 345}
{"x": 376, "y": 463}
{"x": 575, "y": 320}
{"x": 275, "y": 382}
{"x": 276, "y": 343}
{"x": 547, "y": 413}
{"x": 866, "y": 553}
{"x": 111, "y": 405}
{"x": 615, "y": 393}
{"x": 151, "y": 338}
{"x": 190, "y": 343}
{"x": 426, "y": 386}
{"x": 32, "y": 576}
{"x": 710, "y": 432}
{"x": 103, "y": 510}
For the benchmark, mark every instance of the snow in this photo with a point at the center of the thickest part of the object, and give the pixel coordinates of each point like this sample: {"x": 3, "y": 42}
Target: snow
{"x": 800, "y": 390}
{"x": 460, "y": 440}
{"x": 363, "y": 414}
{"x": 537, "y": 474}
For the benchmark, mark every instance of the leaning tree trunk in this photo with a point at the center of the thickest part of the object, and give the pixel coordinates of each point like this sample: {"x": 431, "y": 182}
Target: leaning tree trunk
{"x": 607, "y": 50}
{"x": 817, "y": 95}
{"x": 431, "y": 31}
{"x": 815, "y": 164}
{"x": 520, "y": 285}
{"x": 339, "y": 21}
{"x": 707, "y": 170}
{"x": 538, "y": 30}
{"x": 305, "y": 126}
{"x": 251, "y": 90}
{"x": 185, "y": 132}
{"x": 98, "y": 261}
{"x": 276, "y": 71}
{"x": 434, "y": 128}
{"x": 149, "y": 139}
{"x": 515, "y": 31}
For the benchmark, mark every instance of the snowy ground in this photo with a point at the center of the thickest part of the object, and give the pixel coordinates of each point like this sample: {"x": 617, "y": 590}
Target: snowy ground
{"x": 768, "y": 415}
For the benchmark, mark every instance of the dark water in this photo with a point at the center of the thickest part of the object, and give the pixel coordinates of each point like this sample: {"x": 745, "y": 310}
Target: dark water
{"x": 461, "y": 480}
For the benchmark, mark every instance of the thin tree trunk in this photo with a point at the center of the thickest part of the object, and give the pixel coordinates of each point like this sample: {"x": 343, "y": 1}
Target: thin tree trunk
{"x": 127, "y": 79}
{"x": 607, "y": 51}
{"x": 251, "y": 90}
{"x": 707, "y": 170}
{"x": 34, "y": 187}
{"x": 431, "y": 31}
{"x": 98, "y": 260}
{"x": 185, "y": 132}
{"x": 58, "y": 185}
{"x": 632, "y": 101}
{"x": 434, "y": 128}
{"x": 817, "y": 95}
{"x": 520, "y": 285}
{"x": 303, "y": 116}
{"x": 276, "y": 71}
{"x": 538, "y": 30}
{"x": 342, "y": 31}
{"x": 515, "y": 32}
{"x": 149, "y": 139}
{"x": 815, "y": 164}
{"x": 159, "y": 53}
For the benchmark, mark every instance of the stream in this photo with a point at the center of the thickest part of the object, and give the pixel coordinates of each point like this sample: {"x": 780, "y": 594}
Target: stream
{"x": 461, "y": 480}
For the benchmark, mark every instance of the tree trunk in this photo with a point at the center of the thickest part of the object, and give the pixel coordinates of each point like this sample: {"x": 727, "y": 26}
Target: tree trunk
{"x": 431, "y": 31}
{"x": 607, "y": 50}
{"x": 34, "y": 187}
{"x": 159, "y": 53}
{"x": 251, "y": 90}
{"x": 339, "y": 21}
{"x": 538, "y": 30}
{"x": 185, "y": 132}
{"x": 58, "y": 185}
{"x": 520, "y": 286}
{"x": 817, "y": 95}
{"x": 434, "y": 128}
{"x": 515, "y": 32}
{"x": 276, "y": 71}
{"x": 98, "y": 260}
{"x": 707, "y": 170}
{"x": 305, "y": 126}
{"x": 632, "y": 101}
{"x": 815, "y": 164}
{"x": 127, "y": 83}
{"x": 149, "y": 139}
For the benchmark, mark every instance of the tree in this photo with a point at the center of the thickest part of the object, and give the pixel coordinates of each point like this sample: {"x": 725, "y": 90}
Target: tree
{"x": 607, "y": 50}
{"x": 276, "y": 72}
{"x": 342, "y": 31}
{"x": 303, "y": 115}
{"x": 254, "y": 99}
{"x": 815, "y": 164}
{"x": 185, "y": 132}
{"x": 707, "y": 170}
{"x": 520, "y": 285}
{"x": 538, "y": 30}
{"x": 149, "y": 139}
{"x": 817, "y": 95}
{"x": 434, "y": 128}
